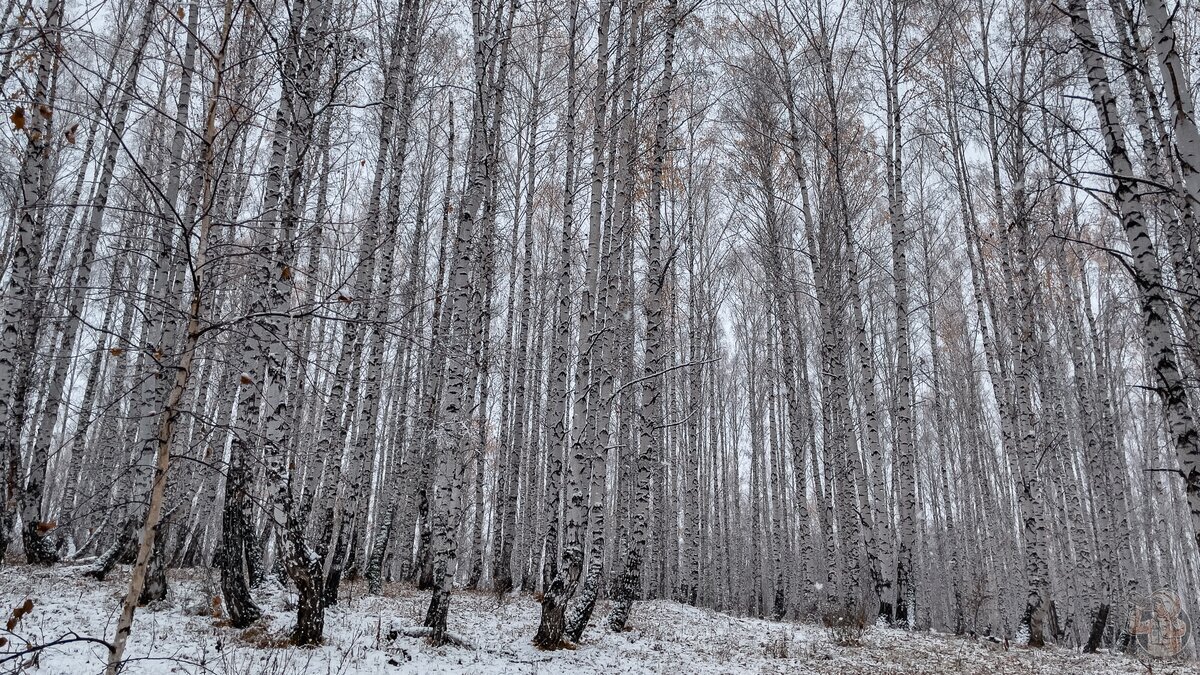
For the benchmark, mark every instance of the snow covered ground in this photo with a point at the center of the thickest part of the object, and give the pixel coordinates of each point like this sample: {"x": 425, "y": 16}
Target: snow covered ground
{"x": 182, "y": 636}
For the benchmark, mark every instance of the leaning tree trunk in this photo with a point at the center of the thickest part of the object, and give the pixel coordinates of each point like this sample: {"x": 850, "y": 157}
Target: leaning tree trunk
{"x": 161, "y": 334}
{"x": 1169, "y": 382}
{"x": 36, "y": 548}
{"x": 18, "y": 334}
{"x": 183, "y": 371}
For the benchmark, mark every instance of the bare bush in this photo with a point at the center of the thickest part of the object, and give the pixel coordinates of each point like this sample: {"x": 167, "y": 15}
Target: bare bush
{"x": 845, "y": 625}
{"x": 778, "y": 647}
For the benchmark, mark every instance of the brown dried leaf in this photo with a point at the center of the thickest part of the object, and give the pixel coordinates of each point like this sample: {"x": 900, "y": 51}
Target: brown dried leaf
{"x": 18, "y": 118}
{"x": 19, "y": 613}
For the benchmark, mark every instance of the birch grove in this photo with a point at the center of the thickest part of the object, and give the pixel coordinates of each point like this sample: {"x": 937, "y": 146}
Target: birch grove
{"x": 838, "y": 311}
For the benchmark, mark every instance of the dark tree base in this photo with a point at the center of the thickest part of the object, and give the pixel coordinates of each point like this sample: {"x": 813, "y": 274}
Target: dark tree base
{"x": 117, "y": 552}
{"x": 502, "y": 567}
{"x": 38, "y": 548}
{"x": 1097, "y": 633}
{"x": 554, "y": 602}
{"x": 379, "y": 554}
{"x": 581, "y": 612}
{"x": 779, "y": 610}
{"x": 886, "y": 611}
{"x": 435, "y": 616}
{"x": 155, "y": 588}
{"x": 1033, "y": 622}
{"x": 310, "y": 615}
{"x": 626, "y": 594}
{"x": 239, "y": 603}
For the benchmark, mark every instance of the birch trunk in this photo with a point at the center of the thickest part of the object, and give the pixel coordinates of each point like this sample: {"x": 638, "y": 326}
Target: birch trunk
{"x": 1160, "y": 352}
{"x": 18, "y": 335}
{"x": 648, "y": 420}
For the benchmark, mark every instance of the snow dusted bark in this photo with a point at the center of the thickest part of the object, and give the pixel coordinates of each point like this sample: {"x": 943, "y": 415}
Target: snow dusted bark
{"x": 483, "y": 286}
{"x": 1168, "y": 380}
{"x": 36, "y": 548}
{"x": 68, "y": 500}
{"x": 376, "y": 308}
{"x": 648, "y": 420}
{"x": 775, "y": 504}
{"x": 183, "y": 370}
{"x": 755, "y": 456}
{"x": 555, "y": 598}
{"x": 417, "y": 512}
{"x": 446, "y": 507}
{"x": 906, "y": 448}
{"x": 603, "y": 366}
{"x": 160, "y": 339}
{"x": 559, "y": 346}
{"x": 449, "y": 460}
{"x": 1174, "y": 158}
{"x": 264, "y": 351}
{"x": 1177, "y": 87}
{"x": 510, "y": 468}
{"x": 1031, "y": 494}
{"x": 1018, "y": 267}
{"x": 153, "y": 516}
{"x": 795, "y": 370}
{"x": 18, "y": 330}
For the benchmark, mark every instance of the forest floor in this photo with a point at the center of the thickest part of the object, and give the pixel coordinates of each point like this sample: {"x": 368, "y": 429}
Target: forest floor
{"x": 182, "y": 635}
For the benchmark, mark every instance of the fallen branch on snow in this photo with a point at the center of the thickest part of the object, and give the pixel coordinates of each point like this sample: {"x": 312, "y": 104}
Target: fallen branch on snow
{"x": 422, "y": 632}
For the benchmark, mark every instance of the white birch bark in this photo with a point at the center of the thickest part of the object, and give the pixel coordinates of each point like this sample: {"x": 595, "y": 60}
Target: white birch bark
{"x": 1168, "y": 380}
{"x": 183, "y": 371}
{"x": 648, "y": 420}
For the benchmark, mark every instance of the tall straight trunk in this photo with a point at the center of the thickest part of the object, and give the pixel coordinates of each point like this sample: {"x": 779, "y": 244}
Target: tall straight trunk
{"x": 559, "y": 344}
{"x": 377, "y": 308}
{"x": 648, "y": 421}
{"x": 264, "y": 352}
{"x": 606, "y": 309}
{"x": 906, "y": 449}
{"x": 795, "y": 369}
{"x": 483, "y": 287}
{"x": 449, "y": 464}
{"x": 339, "y": 412}
{"x": 511, "y": 468}
{"x": 562, "y": 587}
